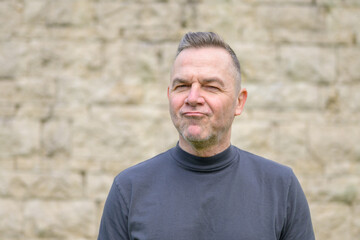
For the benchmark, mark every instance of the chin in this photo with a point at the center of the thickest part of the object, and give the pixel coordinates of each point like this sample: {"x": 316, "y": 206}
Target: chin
{"x": 197, "y": 139}
{"x": 197, "y": 135}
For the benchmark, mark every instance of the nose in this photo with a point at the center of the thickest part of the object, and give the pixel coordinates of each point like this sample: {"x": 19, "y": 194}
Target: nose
{"x": 194, "y": 97}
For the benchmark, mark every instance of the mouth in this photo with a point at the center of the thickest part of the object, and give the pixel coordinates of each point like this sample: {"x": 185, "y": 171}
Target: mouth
{"x": 193, "y": 114}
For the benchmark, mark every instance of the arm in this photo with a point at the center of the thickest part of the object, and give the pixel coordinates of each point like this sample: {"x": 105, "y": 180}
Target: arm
{"x": 298, "y": 223}
{"x": 113, "y": 224}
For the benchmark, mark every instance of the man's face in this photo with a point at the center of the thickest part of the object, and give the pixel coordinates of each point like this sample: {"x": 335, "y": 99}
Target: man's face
{"x": 202, "y": 95}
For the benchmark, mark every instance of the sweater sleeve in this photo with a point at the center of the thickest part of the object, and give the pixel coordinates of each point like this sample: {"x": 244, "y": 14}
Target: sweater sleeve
{"x": 298, "y": 223}
{"x": 113, "y": 224}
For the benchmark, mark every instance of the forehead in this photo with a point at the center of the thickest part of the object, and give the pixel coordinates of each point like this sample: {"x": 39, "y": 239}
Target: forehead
{"x": 203, "y": 60}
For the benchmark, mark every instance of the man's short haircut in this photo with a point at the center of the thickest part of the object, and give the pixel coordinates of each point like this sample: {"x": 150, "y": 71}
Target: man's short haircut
{"x": 210, "y": 39}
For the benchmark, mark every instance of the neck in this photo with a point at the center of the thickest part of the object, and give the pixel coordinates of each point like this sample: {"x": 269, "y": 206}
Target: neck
{"x": 203, "y": 149}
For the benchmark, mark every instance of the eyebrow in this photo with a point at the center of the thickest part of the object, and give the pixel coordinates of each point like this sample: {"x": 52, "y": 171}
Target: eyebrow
{"x": 178, "y": 81}
{"x": 212, "y": 80}
{"x": 203, "y": 81}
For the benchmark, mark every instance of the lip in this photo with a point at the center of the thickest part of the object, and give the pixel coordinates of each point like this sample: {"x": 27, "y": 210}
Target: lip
{"x": 193, "y": 114}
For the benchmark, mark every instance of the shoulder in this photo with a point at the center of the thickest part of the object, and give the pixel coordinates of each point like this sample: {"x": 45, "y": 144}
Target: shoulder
{"x": 144, "y": 169}
{"x": 263, "y": 167}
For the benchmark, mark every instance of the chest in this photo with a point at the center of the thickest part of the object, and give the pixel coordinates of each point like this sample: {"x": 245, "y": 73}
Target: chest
{"x": 205, "y": 209}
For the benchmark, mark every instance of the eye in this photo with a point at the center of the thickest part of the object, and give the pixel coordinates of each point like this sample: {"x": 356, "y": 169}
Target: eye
{"x": 181, "y": 87}
{"x": 212, "y": 88}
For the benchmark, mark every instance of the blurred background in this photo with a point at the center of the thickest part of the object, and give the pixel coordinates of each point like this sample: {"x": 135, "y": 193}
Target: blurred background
{"x": 83, "y": 96}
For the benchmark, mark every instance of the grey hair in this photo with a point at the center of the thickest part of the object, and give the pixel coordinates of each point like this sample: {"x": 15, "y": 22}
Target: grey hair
{"x": 209, "y": 39}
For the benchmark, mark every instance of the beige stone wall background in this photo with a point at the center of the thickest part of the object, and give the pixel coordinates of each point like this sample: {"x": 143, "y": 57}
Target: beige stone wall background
{"x": 83, "y": 96}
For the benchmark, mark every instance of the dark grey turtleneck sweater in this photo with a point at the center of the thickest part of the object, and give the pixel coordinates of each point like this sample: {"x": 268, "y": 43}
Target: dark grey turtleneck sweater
{"x": 232, "y": 195}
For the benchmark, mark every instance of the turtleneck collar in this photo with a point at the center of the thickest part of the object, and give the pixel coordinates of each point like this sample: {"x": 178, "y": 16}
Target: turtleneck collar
{"x": 203, "y": 164}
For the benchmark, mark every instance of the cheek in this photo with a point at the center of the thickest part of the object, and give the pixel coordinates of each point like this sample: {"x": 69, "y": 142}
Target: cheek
{"x": 175, "y": 103}
{"x": 216, "y": 105}
{"x": 222, "y": 110}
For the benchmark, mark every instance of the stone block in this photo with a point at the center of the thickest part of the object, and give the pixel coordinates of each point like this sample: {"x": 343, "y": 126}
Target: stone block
{"x": 333, "y": 145}
{"x": 56, "y": 137}
{"x": 355, "y": 225}
{"x": 60, "y": 13}
{"x": 344, "y": 189}
{"x": 113, "y": 17}
{"x": 84, "y": 164}
{"x": 141, "y": 67}
{"x": 116, "y": 133}
{"x": 114, "y": 56}
{"x": 315, "y": 186}
{"x": 305, "y": 2}
{"x": 56, "y": 185}
{"x": 254, "y": 135}
{"x": 335, "y": 98}
{"x": 115, "y": 166}
{"x": 33, "y": 31}
{"x": 60, "y": 219}
{"x": 259, "y": 63}
{"x": 338, "y": 3}
{"x": 7, "y": 109}
{"x": 137, "y": 69}
{"x": 343, "y": 18}
{"x": 291, "y": 23}
{"x": 64, "y": 13}
{"x": 44, "y": 57}
{"x": 94, "y": 139}
{"x": 349, "y": 65}
{"x": 283, "y": 115}
{"x": 35, "y": 11}
{"x": 8, "y": 103}
{"x": 25, "y": 162}
{"x": 35, "y": 90}
{"x": 227, "y": 19}
{"x": 350, "y": 97}
{"x": 329, "y": 98}
{"x": 319, "y": 37}
{"x": 98, "y": 186}
{"x": 78, "y": 34}
{"x": 11, "y": 53}
{"x": 153, "y": 14}
{"x": 166, "y": 56}
{"x": 331, "y": 220}
{"x": 280, "y": 95}
{"x": 19, "y": 137}
{"x": 11, "y": 17}
{"x": 67, "y": 109}
{"x": 129, "y": 92}
{"x": 292, "y": 17}
{"x": 126, "y": 76}
{"x": 310, "y": 64}
{"x": 73, "y": 94}
{"x": 144, "y": 21}
{"x": 14, "y": 185}
{"x": 341, "y": 189}
{"x": 11, "y": 219}
{"x": 7, "y": 164}
{"x": 8, "y": 90}
{"x": 36, "y": 110}
{"x": 100, "y": 209}
{"x": 291, "y": 143}
{"x": 37, "y": 59}
{"x": 161, "y": 30}
{"x": 310, "y": 24}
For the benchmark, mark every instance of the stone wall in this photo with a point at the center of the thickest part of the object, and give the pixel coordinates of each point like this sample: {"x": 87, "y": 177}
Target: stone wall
{"x": 83, "y": 96}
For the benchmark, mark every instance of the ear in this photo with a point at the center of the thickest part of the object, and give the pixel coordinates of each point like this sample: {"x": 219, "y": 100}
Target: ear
{"x": 168, "y": 92}
{"x": 241, "y": 99}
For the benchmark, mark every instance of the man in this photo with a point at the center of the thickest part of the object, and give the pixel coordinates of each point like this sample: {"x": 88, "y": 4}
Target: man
{"x": 205, "y": 188}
